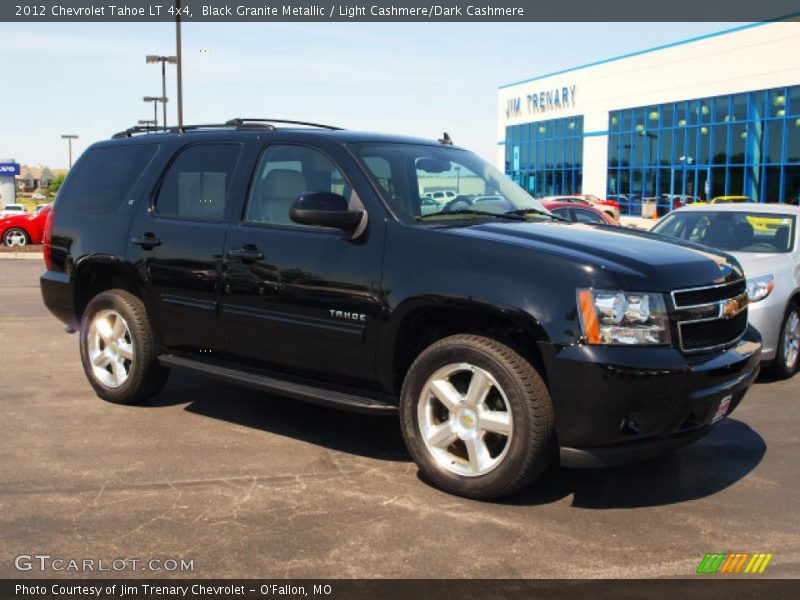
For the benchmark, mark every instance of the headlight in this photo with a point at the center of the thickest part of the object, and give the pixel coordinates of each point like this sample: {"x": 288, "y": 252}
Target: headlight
{"x": 623, "y": 318}
{"x": 759, "y": 288}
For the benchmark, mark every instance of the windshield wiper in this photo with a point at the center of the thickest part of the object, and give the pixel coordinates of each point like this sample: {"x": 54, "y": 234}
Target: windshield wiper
{"x": 510, "y": 216}
{"x": 536, "y": 211}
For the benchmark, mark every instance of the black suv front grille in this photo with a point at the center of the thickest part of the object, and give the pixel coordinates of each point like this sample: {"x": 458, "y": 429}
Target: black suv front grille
{"x": 710, "y": 334}
{"x": 709, "y": 295}
{"x": 717, "y": 315}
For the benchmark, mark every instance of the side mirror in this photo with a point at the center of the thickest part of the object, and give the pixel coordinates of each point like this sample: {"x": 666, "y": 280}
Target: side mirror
{"x": 324, "y": 209}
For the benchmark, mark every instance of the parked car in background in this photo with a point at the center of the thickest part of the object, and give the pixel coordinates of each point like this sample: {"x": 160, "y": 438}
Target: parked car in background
{"x": 39, "y": 197}
{"x": 10, "y": 210}
{"x": 764, "y": 239}
{"x": 24, "y": 229}
{"x": 577, "y": 212}
{"x": 610, "y": 207}
{"x": 440, "y": 196}
{"x": 725, "y": 199}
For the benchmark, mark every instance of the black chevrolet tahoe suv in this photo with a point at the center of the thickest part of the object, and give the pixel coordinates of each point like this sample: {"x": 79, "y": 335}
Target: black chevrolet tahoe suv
{"x": 311, "y": 262}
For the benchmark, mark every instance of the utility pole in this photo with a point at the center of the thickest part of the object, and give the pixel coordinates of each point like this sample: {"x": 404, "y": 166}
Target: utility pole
{"x": 154, "y": 58}
{"x": 179, "y": 62}
{"x": 69, "y": 137}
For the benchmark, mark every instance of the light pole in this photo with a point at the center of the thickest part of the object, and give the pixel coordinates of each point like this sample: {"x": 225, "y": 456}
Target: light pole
{"x": 154, "y": 58}
{"x": 178, "y": 61}
{"x": 155, "y": 100}
{"x": 147, "y": 122}
{"x": 69, "y": 137}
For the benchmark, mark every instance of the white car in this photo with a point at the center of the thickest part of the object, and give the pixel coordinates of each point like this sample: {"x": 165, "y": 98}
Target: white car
{"x": 441, "y": 196}
{"x": 12, "y": 209}
{"x": 764, "y": 239}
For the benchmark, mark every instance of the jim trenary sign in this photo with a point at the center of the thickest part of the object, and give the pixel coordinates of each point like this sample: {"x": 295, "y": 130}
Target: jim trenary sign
{"x": 542, "y": 101}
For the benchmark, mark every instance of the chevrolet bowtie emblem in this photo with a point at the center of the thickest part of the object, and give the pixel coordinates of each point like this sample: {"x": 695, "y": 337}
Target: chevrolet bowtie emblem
{"x": 734, "y": 306}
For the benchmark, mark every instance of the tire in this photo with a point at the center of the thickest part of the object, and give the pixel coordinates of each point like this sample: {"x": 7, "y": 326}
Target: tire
{"x": 787, "y": 358}
{"x": 116, "y": 333}
{"x": 16, "y": 236}
{"x": 462, "y": 450}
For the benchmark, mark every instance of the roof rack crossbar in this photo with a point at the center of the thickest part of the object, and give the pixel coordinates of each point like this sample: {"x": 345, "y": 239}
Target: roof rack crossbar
{"x": 242, "y": 121}
{"x": 238, "y": 123}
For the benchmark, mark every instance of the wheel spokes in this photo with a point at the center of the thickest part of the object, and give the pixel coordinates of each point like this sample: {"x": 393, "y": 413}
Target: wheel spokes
{"x": 479, "y": 387}
{"x": 446, "y": 393}
{"x": 442, "y": 436}
{"x": 479, "y": 457}
{"x": 496, "y": 421}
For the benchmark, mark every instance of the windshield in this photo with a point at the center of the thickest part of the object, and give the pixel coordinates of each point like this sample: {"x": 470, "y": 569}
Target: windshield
{"x": 732, "y": 231}
{"x": 431, "y": 183}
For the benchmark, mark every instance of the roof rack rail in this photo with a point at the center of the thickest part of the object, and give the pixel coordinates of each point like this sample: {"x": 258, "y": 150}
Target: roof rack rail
{"x": 238, "y": 123}
{"x": 241, "y": 121}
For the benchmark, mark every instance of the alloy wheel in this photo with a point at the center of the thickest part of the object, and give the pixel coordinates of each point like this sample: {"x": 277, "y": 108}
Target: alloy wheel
{"x": 465, "y": 419}
{"x": 15, "y": 237}
{"x": 791, "y": 340}
{"x": 110, "y": 348}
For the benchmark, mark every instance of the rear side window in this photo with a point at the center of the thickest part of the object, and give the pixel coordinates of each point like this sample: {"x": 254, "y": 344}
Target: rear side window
{"x": 103, "y": 177}
{"x": 196, "y": 184}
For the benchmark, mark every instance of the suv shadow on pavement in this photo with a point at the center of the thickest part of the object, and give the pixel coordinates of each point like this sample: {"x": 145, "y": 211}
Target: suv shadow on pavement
{"x": 702, "y": 469}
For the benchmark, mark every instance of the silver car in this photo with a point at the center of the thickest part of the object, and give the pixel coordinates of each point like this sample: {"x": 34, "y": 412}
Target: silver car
{"x": 764, "y": 239}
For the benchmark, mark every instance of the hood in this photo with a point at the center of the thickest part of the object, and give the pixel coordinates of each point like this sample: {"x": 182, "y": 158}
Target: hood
{"x": 640, "y": 260}
{"x": 762, "y": 263}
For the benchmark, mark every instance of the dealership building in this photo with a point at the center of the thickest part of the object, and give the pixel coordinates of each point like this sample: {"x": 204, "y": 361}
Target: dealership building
{"x": 711, "y": 116}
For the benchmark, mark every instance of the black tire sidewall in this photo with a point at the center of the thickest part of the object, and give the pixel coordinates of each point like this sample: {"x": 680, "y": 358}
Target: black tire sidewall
{"x": 482, "y": 486}
{"x": 129, "y": 391}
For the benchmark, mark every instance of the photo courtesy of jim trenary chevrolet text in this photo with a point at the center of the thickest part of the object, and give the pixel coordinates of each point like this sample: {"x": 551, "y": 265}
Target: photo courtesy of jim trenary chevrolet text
{"x": 408, "y": 299}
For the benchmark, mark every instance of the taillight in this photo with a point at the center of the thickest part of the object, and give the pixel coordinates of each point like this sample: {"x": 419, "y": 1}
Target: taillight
{"x": 47, "y": 239}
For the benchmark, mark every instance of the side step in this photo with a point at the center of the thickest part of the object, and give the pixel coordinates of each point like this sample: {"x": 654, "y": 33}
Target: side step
{"x": 273, "y": 383}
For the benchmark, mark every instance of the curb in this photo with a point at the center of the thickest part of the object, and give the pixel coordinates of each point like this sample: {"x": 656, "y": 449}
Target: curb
{"x": 21, "y": 256}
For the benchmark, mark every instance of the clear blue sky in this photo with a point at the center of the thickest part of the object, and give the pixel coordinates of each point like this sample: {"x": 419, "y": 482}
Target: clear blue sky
{"x": 416, "y": 79}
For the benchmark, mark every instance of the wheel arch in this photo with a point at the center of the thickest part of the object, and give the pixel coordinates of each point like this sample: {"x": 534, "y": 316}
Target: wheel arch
{"x": 97, "y": 273}
{"x": 423, "y": 321}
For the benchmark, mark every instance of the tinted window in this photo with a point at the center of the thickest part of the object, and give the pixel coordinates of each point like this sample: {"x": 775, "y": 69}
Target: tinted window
{"x": 103, "y": 177}
{"x": 196, "y": 184}
{"x": 283, "y": 173}
{"x": 586, "y": 216}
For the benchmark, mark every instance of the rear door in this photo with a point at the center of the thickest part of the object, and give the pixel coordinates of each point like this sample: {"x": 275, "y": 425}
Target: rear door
{"x": 299, "y": 298}
{"x": 177, "y": 239}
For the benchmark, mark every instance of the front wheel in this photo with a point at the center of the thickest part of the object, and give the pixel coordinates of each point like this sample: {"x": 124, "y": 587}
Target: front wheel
{"x": 16, "y": 237}
{"x": 118, "y": 349}
{"x": 476, "y": 417}
{"x": 788, "y": 356}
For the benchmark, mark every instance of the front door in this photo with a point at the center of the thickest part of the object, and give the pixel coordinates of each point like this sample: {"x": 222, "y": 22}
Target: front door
{"x": 299, "y": 298}
{"x": 177, "y": 241}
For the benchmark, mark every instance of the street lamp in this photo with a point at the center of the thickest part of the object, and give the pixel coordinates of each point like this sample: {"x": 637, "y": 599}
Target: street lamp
{"x": 147, "y": 122}
{"x": 155, "y": 100}
{"x": 154, "y": 58}
{"x": 69, "y": 137}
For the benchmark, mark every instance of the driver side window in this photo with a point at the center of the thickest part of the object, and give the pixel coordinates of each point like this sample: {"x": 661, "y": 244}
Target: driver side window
{"x": 284, "y": 172}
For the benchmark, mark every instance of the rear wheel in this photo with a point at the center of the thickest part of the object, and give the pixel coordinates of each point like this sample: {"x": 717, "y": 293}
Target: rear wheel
{"x": 118, "y": 349}
{"x": 476, "y": 417}
{"x": 788, "y": 356}
{"x": 16, "y": 237}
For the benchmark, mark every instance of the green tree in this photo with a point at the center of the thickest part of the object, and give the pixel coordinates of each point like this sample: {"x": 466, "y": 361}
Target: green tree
{"x": 56, "y": 184}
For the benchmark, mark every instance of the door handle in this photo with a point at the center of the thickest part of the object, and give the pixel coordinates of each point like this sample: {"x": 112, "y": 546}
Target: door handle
{"x": 148, "y": 241}
{"x": 246, "y": 254}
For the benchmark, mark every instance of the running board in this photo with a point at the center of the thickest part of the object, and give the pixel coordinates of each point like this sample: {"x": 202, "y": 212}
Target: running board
{"x": 272, "y": 383}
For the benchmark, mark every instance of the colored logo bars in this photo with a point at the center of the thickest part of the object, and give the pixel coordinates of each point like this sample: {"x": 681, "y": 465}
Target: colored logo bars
{"x": 736, "y": 562}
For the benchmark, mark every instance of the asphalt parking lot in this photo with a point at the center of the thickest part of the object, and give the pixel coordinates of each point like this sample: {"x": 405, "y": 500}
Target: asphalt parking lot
{"x": 252, "y": 485}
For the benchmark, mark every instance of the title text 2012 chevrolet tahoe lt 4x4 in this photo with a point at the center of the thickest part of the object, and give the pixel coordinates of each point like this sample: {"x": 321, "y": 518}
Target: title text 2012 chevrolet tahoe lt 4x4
{"x": 296, "y": 259}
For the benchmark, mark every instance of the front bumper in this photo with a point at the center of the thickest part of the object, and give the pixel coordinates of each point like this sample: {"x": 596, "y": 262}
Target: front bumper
{"x": 615, "y": 405}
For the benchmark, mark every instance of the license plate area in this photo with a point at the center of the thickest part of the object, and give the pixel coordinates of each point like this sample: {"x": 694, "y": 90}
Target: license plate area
{"x": 722, "y": 409}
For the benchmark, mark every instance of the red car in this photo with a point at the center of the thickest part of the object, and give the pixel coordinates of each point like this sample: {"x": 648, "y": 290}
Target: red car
{"x": 579, "y": 213}
{"x": 21, "y": 230}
